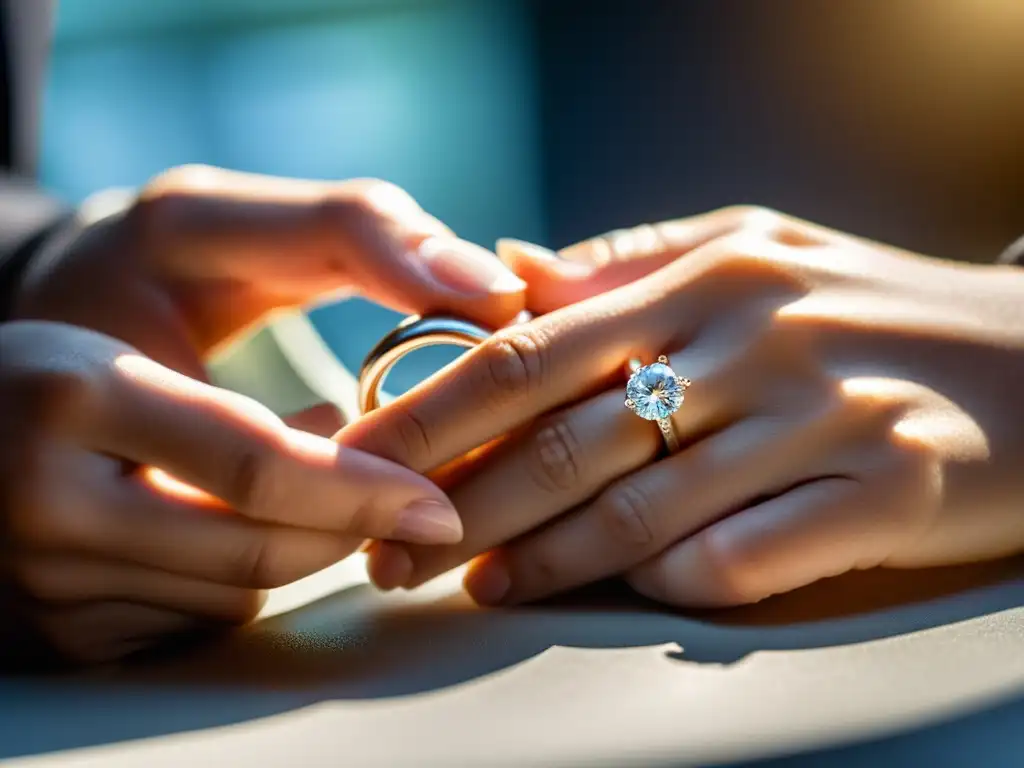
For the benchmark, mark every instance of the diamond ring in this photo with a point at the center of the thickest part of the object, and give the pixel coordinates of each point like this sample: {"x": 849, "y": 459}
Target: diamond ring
{"x": 654, "y": 393}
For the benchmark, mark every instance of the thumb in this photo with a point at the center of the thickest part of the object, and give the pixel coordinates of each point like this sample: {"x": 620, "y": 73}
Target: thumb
{"x": 554, "y": 282}
{"x": 442, "y": 274}
{"x": 599, "y": 264}
{"x": 275, "y": 243}
{"x": 400, "y": 256}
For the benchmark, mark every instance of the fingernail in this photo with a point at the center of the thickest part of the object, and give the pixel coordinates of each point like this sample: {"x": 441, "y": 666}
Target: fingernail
{"x": 508, "y": 247}
{"x": 428, "y": 522}
{"x": 488, "y": 582}
{"x": 467, "y": 268}
{"x": 509, "y": 250}
{"x": 590, "y": 252}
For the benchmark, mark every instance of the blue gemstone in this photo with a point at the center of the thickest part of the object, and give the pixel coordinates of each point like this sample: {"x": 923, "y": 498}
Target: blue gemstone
{"x": 654, "y": 391}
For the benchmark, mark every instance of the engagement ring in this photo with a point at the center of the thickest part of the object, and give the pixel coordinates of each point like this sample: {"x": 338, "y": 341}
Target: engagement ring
{"x": 654, "y": 393}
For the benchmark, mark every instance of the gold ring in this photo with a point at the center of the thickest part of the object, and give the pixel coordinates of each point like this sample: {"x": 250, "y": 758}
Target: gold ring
{"x": 654, "y": 392}
{"x": 411, "y": 334}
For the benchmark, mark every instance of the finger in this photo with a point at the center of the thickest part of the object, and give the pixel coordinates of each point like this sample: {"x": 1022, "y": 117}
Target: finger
{"x": 647, "y": 511}
{"x": 600, "y": 264}
{"x": 293, "y": 241}
{"x": 323, "y": 419}
{"x": 818, "y": 530}
{"x": 70, "y": 579}
{"x": 134, "y": 522}
{"x": 556, "y": 464}
{"x": 525, "y": 371}
{"x": 95, "y": 633}
{"x": 142, "y": 525}
{"x": 238, "y": 451}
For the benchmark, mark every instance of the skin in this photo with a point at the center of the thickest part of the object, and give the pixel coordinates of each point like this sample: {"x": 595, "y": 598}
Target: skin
{"x": 852, "y": 406}
{"x": 140, "y": 502}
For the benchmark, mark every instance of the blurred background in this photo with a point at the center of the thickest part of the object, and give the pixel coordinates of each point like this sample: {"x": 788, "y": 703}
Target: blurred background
{"x": 901, "y": 120}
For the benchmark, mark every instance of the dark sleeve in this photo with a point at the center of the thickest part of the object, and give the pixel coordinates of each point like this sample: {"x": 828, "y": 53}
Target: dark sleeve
{"x": 1014, "y": 254}
{"x": 28, "y": 217}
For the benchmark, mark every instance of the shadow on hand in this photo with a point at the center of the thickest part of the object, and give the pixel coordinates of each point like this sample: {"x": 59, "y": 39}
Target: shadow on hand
{"x": 360, "y": 644}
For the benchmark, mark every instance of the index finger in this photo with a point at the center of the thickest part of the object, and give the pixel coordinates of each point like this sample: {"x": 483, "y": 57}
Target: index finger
{"x": 521, "y": 373}
{"x": 238, "y": 451}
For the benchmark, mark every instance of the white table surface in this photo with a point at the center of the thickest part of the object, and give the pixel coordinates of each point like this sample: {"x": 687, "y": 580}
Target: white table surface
{"x": 922, "y": 667}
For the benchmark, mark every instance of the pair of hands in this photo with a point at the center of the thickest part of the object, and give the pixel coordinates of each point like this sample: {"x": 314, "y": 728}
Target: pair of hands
{"x": 850, "y": 408}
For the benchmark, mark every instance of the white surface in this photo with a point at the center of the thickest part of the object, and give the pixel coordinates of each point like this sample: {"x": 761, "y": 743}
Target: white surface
{"x": 337, "y": 674}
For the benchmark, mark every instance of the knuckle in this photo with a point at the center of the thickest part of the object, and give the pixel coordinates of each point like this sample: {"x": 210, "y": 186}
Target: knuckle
{"x": 772, "y": 225}
{"x": 759, "y": 217}
{"x": 162, "y": 196}
{"x": 514, "y": 365}
{"x": 348, "y": 211}
{"x": 914, "y": 474}
{"x": 753, "y": 266}
{"x": 628, "y": 516}
{"x": 557, "y": 456}
{"x": 255, "y": 482}
{"x": 413, "y": 439}
{"x": 257, "y": 564}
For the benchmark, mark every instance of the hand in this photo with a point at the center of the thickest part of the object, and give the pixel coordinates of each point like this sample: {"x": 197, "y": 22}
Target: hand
{"x": 852, "y": 406}
{"x": 104, "y": 557}
{"x": 204, "y": 253}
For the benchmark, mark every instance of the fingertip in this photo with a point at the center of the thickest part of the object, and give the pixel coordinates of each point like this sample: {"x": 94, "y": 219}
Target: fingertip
{"x": 531, "y": 260}
{"x": 389, "y": 565}
{"x": 467, "y": 268}
{"x": 487, "y": 580}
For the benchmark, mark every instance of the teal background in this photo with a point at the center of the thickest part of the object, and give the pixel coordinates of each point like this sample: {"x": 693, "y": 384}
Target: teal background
{"x": 438, "y": 97}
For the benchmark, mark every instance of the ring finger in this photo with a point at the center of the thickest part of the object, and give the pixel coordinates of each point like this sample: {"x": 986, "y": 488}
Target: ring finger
{"x": 637, "y": 517}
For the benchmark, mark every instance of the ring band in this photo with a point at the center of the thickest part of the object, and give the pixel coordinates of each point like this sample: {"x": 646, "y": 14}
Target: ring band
{"x": 654, "y": 392}
{"x": 411, "y": 334}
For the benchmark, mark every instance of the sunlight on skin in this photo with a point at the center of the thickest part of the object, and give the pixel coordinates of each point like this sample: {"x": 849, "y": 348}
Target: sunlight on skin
{"x": 951, "y": 426}
{"x": 166, "y": 484}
